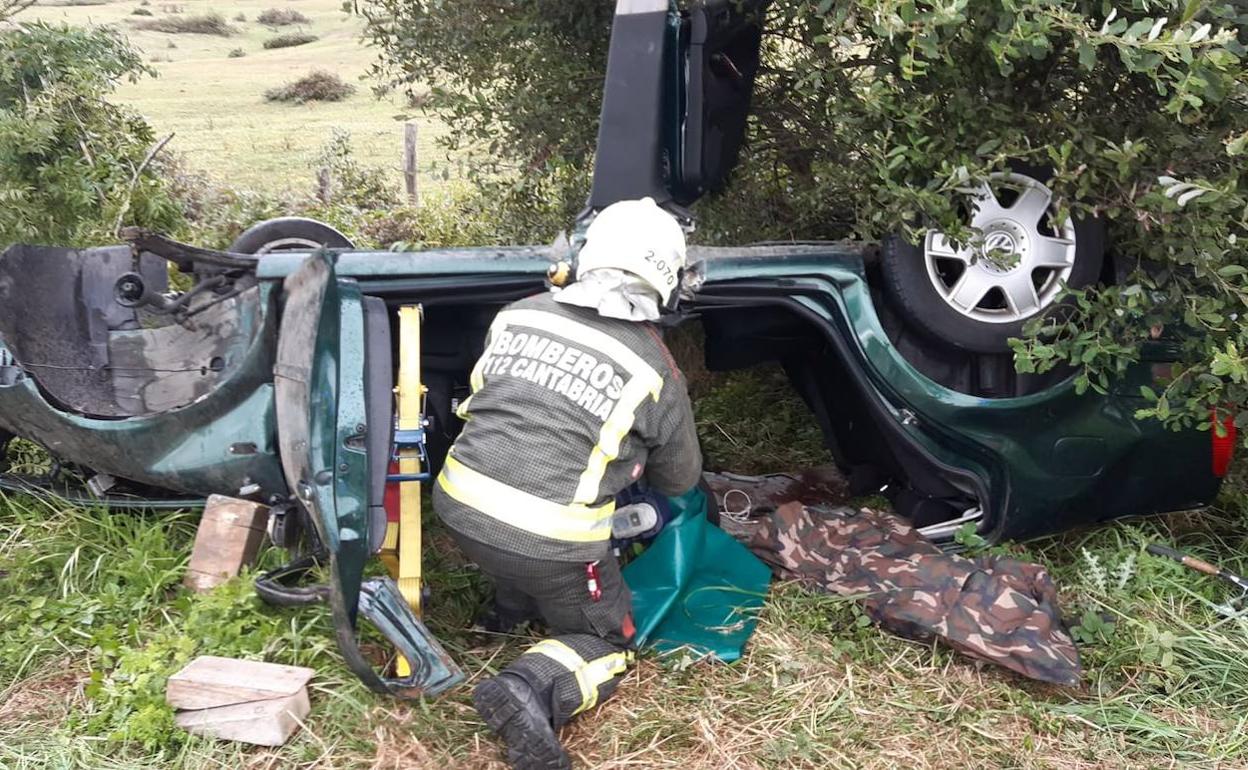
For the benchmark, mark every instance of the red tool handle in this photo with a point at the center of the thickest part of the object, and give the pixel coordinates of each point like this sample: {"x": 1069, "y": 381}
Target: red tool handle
{"x": 592, "y": 582}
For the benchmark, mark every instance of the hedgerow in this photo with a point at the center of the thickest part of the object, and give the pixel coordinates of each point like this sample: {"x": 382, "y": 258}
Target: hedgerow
{"x": 873, "y": 117}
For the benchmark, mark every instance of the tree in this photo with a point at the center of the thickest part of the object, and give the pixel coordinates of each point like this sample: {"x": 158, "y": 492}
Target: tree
{"x": 71, "y": 163}
{"x": 873, "y": 116}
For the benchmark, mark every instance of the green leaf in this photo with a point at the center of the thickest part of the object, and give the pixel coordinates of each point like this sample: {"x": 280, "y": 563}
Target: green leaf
{"x": 1087, "y": 55}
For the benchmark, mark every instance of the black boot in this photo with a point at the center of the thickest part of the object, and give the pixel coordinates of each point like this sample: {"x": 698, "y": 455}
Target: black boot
{"x": 515, "y": 713}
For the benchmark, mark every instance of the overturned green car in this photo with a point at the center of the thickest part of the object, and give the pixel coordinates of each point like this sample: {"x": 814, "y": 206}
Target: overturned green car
{"x": 272, "y": 377}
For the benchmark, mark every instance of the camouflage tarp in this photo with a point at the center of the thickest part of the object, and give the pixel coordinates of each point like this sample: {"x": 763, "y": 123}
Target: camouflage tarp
{"x": 993, "y": 608}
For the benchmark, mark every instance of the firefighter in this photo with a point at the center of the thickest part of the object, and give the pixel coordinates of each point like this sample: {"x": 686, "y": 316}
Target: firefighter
{"x": 574, "y": 399}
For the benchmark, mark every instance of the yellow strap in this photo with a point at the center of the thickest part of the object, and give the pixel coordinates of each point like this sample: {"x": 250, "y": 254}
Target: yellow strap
{"x": 410, "y": 394}
{"x": 590, "y": 675}
{"x": 545, "y": 518}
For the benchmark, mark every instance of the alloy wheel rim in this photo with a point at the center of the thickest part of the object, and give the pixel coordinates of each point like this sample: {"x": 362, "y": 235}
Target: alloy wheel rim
{"x": 1018, "y": 262}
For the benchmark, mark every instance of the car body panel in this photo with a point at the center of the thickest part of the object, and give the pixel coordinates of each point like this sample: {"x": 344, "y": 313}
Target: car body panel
{"x": 1037, "y": 463}
{"x": 222, "y": 439}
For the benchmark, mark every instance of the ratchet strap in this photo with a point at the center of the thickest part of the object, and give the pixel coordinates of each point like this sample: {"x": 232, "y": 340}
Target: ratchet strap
{"x": 401, "y": 547}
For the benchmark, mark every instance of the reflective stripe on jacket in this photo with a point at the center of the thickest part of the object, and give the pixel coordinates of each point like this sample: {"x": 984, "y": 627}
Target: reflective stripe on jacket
{"x": 567, "y": 409}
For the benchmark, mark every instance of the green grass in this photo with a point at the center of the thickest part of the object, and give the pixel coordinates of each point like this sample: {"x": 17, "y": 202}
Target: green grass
{"x": 215, "y": 104}
{"x": 96, "y": 620}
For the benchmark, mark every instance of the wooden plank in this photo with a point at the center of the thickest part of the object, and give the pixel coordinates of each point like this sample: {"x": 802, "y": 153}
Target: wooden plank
{"x": 210, "y": 681}
{"x": 264, "y": 723}
{"x": 229, "y": 537}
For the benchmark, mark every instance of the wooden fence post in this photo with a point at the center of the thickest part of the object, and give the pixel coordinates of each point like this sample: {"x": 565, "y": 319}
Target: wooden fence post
{"x": 324, "y": 185}
{"x": 409, "y": 161}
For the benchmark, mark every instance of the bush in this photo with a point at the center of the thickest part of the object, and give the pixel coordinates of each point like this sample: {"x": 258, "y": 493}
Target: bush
{"x": 240, "y": 17}
{"x": 140, "y": 12}
{"x": 316, "y": 86}
{"x": 353, "y": 184}
{"x": 212, "y": 215}
{"x": 282, "y": 17}
{"x": 236, "y": 53}
{"x": 873, "y": 116}
{"x": 290, "y": 39}
{"x": 67, "y": 156}
{"x": 208, "y": 24}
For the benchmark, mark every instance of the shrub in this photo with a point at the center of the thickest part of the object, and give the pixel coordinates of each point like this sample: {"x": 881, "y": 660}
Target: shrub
{"x": 290, "y": 39}
{"x": 214, "y": 215}
{"x": 140, "y": 12}
{"x": 873, "y": 116}
{"x": 282, "y": 17}
{"x": 240, "y": 17}
{"x": 316, "y": 86}
{"x": 236, "y": 53}
{"x": 67, "y": 156}
{"x": 352, "y": 183}
{"x": 208, "y": 24}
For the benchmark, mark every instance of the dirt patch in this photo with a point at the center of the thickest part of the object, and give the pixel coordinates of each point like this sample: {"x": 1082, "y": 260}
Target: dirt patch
{"x": 41, "y": 698}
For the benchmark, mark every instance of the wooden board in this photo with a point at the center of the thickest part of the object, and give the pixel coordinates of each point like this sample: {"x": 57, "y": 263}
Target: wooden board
{"x": 210, "y": 681}
{"x": 229, "y": 537}
{"x": 264, "y": 723}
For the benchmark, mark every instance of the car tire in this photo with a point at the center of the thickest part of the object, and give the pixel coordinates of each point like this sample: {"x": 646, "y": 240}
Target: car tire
{"x": 933, "y": 285}
{"x": 289, "y": 234}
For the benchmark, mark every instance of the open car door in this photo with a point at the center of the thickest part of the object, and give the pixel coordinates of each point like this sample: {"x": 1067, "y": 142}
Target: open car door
{"x": 722, "y": 61}
{"x": 334, "y": 382}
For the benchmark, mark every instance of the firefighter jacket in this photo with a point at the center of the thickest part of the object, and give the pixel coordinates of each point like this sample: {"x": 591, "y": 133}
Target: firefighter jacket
{"x": 567, "y": 409}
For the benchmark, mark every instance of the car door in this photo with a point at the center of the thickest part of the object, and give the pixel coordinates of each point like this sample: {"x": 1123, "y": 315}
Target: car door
{"x": 332, "y": 382}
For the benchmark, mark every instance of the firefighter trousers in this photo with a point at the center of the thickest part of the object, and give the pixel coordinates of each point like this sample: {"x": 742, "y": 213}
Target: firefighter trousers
{"x": 582, "y": 662}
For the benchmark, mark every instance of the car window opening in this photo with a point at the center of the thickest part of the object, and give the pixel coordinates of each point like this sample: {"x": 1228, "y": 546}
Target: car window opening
{"x": 773, "y": 366}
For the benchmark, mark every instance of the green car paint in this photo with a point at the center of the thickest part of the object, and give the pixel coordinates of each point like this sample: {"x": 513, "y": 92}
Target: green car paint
{"x": 1038, "y": 463}
{"x": 225, "y": 442}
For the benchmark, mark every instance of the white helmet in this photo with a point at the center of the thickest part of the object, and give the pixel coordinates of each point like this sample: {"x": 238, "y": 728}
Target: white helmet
{"x": 640, "y": 238}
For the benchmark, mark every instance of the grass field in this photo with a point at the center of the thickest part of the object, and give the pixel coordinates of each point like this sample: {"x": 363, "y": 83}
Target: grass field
{"x": 215, "y": 105}
{"x": 94, "y": 620}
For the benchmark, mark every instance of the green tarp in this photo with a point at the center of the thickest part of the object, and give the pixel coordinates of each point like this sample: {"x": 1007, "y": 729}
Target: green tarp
{"x": 695, "y": 587}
